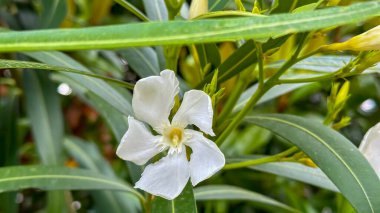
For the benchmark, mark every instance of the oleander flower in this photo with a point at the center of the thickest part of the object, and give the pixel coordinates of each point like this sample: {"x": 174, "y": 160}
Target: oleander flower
{"x": 370, "y": 147}
{"x": 152, "y": 102}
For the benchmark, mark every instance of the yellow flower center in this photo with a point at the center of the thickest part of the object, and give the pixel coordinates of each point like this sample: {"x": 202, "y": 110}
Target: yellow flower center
{"x": 175, "y": 136}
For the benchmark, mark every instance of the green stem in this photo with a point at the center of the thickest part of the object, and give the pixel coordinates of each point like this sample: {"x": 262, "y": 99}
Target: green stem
{"x": 306, "y": 80}
{"x": 171, "y": 53}
{"x": 260, "y": 60}
{"x": 235, "y": 122}
{"x": 337, "y": 74}
{"x": 226, "y": 13}
{"x": 275, "y": 158}
{"x": 293, "y": 60}
{"x": 264, "y": 88}
{"x": 233, "y": 98}
{"x": 294, "y": 4}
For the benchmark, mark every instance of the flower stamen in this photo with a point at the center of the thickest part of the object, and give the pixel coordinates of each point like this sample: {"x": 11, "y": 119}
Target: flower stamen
{"x": 174, "y": 137}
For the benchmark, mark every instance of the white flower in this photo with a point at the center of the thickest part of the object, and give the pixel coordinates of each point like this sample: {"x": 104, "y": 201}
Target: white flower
{"x": 370, "y": 147}
{"x": 152, "y": 102}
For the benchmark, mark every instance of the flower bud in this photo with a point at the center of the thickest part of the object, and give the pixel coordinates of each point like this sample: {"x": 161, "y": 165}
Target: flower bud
{"x": 197, "y": 8}
{"x": 342, "y": 95}
{"x": 308, "y": 162}
{"x": 333, "y": 2}
{"x": 369, "y": 40}
{"x": 368, "y": 60}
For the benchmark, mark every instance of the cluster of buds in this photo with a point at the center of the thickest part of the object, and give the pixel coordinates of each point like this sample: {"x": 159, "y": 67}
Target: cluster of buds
{"x": 212, "y": 90}
{"x": 335, "y": 104}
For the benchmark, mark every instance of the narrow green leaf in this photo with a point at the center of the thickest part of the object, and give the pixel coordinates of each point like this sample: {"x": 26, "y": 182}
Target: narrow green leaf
{"x": 225, "y": 192}
{"x": 177, "y": 32}
{"x": 44, "y": 112}
{"x": 56, "y": 201}
{"x": 58, "y": 178}
{"x": 326, "y": 63}
{"x": 238, "y": 61}
{"x": 156, "y": 10}
{"x": 118, "y": 123}
{"x": 208, "y": 54}
{"x": 184, "y": 203}
{"x": 241, "y": 59}
{"x": 97, "y": 86}
{"x": 215, "y": 5}
{"x": 8, "y": 203}
{"x": 132, "y": 9}
{"x": 53, "y": 13}
{"x": 88, "y": 156}
{"x": 13, "y": 64}
{"x": 308, "y": 7}
{"x": 161, "y": 57}
{"x": 9, "y": 113}
{"x": 143, "y": 61}
{"x": 295, "y": 171}
{"x": 338, "y": 158}
{"x": 242, "y": 143}
{"x": 274, "y": 92}
{"x": 43, "y": 107}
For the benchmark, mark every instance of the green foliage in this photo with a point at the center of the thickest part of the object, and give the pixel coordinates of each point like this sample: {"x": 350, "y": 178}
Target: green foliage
{"x": 289, "y": 110}
{"x": 224, "y": 192}
{"x": 185, "y": 202}
{"x": 57, "y": 178}
{"x": 329, "y": 149}
{"x": 176, "y": 32}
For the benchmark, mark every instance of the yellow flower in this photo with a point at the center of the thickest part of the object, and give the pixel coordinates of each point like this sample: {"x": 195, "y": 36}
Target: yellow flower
{"x": 369, "y": 40}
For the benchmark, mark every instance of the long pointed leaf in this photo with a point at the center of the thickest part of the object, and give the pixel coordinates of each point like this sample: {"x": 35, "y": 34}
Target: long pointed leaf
{"x": 88, "y": 155}
{"x": 295, "y": 171}
{"x": 225, "y": 192}
{"x": 177, "y": 32}
{"x": 58, "y": 178}
{"x": 143, "y": 60}
{"x": 97, "y": 86}
{"x": 44, "y": 112}
{"x": 339, "y": 159}
{"x": 326, "y": 63}
{"x": 53, "y": 13}
{"x": 14, "y": 64}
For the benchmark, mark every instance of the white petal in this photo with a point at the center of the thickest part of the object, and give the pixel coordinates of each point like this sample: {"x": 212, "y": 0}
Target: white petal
{"x": 196, "y": 108}
{"x": 370, "y": 147}
{"x": 138, "y": 144}
{"x": 167, "y": 177}
{"x": 206, "y": 158}
{"x": 153, "y": 98}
